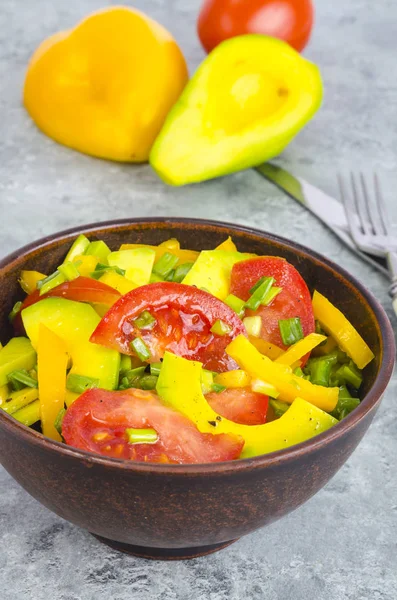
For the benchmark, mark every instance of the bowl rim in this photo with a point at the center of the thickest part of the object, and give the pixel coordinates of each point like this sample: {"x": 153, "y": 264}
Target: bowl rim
{"x": 261, "y": 461}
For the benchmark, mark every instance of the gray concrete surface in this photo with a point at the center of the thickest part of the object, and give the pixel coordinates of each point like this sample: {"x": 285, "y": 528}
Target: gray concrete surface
{"x": 342, "y": 544}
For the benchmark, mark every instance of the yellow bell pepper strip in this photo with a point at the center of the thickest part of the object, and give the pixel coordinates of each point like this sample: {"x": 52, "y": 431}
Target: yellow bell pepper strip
{"x": 184, "y": 256}
{"x": 118, "y": 282}
{"x": 105, "y": 87}
{"x": 227, "y": 245}
{"x": 17, "y": 354}
{"x": 233, "y": 379}
{"x": 288, "y": 385}
{"x": 14, "y": 401}
{"x": 52, "y": 359}
{"x": 296, "y": 351}
{"x": 179, "y": 386}
{"x": 85, "y": 264}
{"x": 28, "y": 280}
{"x": 334, "y": 322}
{"x": 212, "y": 271}
{"x": 266, "y": 348}
{"x": 172, "y": 244}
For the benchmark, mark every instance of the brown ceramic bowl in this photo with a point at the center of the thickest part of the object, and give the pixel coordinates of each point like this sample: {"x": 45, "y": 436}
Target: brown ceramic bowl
{"x": 178, "y": 511}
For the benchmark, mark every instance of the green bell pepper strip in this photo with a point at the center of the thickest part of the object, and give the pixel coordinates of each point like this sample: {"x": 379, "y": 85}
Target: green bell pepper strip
{"x": 179, "y": 386}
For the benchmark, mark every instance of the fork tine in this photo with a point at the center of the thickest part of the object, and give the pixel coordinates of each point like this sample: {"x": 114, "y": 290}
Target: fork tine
{"x": 383, "y": 217}
{"x": 358, "y": 205}
{"x": 369, "y": 208}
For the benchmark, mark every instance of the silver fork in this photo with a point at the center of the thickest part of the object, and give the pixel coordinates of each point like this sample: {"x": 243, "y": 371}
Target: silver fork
{"x": 369, "y": 224}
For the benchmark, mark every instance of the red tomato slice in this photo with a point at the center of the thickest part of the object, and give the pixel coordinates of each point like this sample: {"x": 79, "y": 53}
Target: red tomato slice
{"x": 81, "y": 289}
{"x": 241, "y": 405}
{"x": 184, "y": 317}
{"x": 97, "y": 421}
{"x": 293, "y": 301}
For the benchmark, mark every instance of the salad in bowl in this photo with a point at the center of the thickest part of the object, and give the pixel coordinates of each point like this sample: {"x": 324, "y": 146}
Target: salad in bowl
{"x": 167, "y": 355}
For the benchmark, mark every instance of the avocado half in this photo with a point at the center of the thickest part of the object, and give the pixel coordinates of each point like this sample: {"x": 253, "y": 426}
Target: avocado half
{"x": 245, "y": 103}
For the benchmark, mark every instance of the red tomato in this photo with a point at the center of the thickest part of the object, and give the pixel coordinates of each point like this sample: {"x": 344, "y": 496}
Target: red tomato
{"x": 184, "y": 317}
{"x": 241, "y": 405}
{"x": 81, "y": 289}
{"x": 97, "y": 421}
{"x": 288, "y": 20}
{"x": 293, "y": 301}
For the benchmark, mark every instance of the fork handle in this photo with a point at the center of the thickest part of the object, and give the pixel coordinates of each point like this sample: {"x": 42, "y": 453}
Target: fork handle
{"x": 391, "y": 259}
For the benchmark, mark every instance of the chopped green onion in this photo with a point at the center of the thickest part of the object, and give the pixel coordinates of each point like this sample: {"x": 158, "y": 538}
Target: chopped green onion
{"x": 141, "y": 436}
{"x": 59, "y": 419}
{"x": 207, "y": 381}
{"x": 50, "y": 282}
{"x": 69, "y": 270}
{"x": 216, "y": 387}
{"x": 140, "y": 349}
{"x": 154, "y": 278}
{"x": 125, "y": 384}
{"x": 261, "y": 290}
{"x": 165, "y": 264}
{"x": 320, "y": 371}
{"x": 253, "y": 325}
{"x": 262, "y": 387}
{"x": 98, "y": 249}
{"x": 346, "y": 403}
{"x": 80, "y": 383}
{"x": 318, "y": 329}
{"x": 15, "y": 310}
{"x": 155, "y": 368}
{"x": 21, "y": 378}
{"x": 125, "y": 363}
{"x": 349, "y": 374}
{"x": 28, "y": 415}
{"x": 271, "y": 294}
{"x": 78, "y": 247}
{"x": 145, "y": 320}
{"x": 132, "y": 373}
{"x": 291, "y": 330}
{"x": 298, "y": 372}
{"x": 236, "y": 304}
{"x": 220, "y": 328}
{"x": 101, "y": 269}
{"x": 170, "y": 276}
{"x": 181, "y": 271}
{"x": 257, "y": 284}
{"x": 131, "y": 378}
{"x": 147, "y": 382}
{"x": 279, "y": 407}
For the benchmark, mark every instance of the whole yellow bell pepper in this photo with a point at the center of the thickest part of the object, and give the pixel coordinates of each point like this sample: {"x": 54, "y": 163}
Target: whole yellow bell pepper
{"x": 105, "y": 87}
